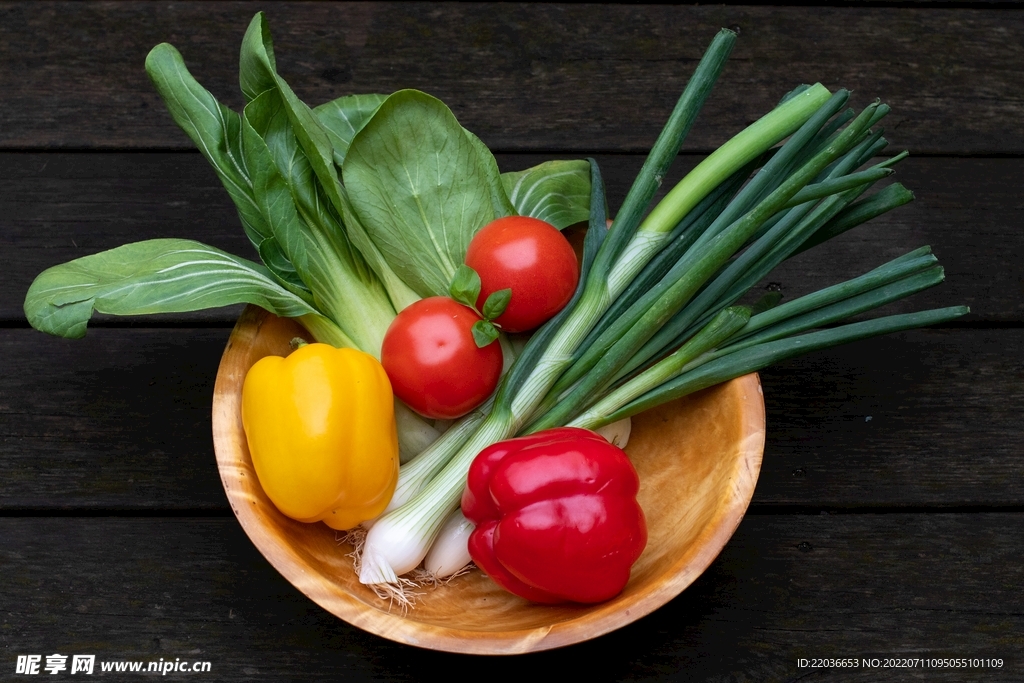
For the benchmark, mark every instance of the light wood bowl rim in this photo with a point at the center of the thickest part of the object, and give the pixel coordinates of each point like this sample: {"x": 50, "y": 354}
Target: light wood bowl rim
{"x": 594, "y": 620}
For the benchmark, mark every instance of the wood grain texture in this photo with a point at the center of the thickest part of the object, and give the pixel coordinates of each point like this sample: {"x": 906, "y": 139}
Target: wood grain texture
{"x": 59, "y": 206}
{"x": 697, "y": 458}
{"x": 121, "y": 419}
{"x": 921, "y": 418}
{"x": 522, "y": 76}
{"x": 119, "y": 423}
{"x": 786, "y": 586}
{"x": 118, "y": 419}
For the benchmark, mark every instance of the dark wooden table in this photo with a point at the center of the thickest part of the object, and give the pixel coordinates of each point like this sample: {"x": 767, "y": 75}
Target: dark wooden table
{"x": 888, "y": 521}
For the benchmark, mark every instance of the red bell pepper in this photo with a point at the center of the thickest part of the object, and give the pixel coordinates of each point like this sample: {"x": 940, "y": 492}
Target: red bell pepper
{"x": 556, "y": 516}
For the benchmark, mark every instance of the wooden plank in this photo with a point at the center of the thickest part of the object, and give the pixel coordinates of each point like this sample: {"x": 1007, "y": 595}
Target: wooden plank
{"x": 785, "y": 588}
{"x": 118, "y": 419}
{"x": 523, "y": 77}
{"x": 928, "y": 418}
{"x": 58, "y": 207}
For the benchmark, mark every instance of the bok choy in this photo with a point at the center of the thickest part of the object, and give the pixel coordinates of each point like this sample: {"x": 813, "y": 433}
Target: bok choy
{"x": 343, "y": 276}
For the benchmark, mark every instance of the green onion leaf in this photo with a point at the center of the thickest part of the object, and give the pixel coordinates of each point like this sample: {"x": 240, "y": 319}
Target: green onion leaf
{"x": 760, "y": 356}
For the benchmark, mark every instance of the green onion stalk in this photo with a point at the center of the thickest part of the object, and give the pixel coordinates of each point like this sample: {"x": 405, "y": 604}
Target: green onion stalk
{"x": 654, "y": 316}
{"x": 629, "y": 332}
{"x": 398, "y": 541}
{"x": 734, "y": 330}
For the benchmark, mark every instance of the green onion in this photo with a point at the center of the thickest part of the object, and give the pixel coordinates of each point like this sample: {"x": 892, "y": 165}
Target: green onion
{"x": 636, "y": 331}
{"x": 400, "y": 539}
{"x": 803, "y": 192}
{"x": 895, "y": 280}
{"x": 623, "y": 320}
{"x": 724, "y": 325}
{"x": 754, "y": 358}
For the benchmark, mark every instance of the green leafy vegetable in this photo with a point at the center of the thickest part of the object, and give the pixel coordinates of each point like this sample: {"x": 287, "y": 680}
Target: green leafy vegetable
{"x": 155, "y": 276}
{"x": 304, "y": 223}
{"x": 556, "y": 191}
{"x": 418, "y": 186}
{"x": 217, "y": 132}
{"x": 344, "y": 117}
{"x": 492, "y": 176}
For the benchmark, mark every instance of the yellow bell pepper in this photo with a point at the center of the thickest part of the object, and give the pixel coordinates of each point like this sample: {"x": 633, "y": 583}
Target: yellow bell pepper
{"x": 321, "y": 431}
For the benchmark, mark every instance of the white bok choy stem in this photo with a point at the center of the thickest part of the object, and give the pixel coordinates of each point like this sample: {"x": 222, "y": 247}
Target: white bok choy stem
{"x": 399, "y": 540}
{"x": 414, "y": 433}
{"x": 417, "y": 472}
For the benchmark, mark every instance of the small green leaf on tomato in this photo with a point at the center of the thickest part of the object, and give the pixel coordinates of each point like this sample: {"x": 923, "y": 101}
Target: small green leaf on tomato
{"x": 496, "y": 303}
{"x": 484, "y": 333}
{"x": 465, "y": 287}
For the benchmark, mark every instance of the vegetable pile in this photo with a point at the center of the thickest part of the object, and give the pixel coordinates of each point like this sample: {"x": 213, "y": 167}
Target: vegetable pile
{"x": 369, "y": 212}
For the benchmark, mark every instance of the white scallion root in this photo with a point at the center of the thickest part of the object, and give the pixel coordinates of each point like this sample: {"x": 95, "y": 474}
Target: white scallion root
{"x": 426, "y": 578}
{"x": 449, "y": 552}
{"x": 355, "y": 538}
{"x": 617, "y": 433}
{"x": 402, "y": 592}
{"x": 447, "y": 559}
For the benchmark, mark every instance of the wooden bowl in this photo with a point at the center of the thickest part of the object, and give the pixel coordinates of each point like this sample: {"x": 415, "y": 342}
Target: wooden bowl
{"x": 698, "y": 460}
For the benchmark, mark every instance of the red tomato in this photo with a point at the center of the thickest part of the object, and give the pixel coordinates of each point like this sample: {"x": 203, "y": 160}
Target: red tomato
{"x": 530, "y": 257}
{"x": 433, "y": 361}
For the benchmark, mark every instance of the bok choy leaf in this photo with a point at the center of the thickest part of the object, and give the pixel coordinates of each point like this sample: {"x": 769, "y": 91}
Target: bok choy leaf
{"x": 155, "y": 276}
{"x": 556, "y": 191}
{"x": 258, "y": 76}
{"x": 304, "y": 223}
{"x": 217, "y": 133}
{"x": 344, "y": 117}
{"x": 418, "y": 185}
